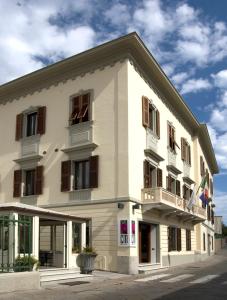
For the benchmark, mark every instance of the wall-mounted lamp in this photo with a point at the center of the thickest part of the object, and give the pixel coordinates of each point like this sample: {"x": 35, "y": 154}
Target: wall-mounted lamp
{"x": 120, "y": 205}
{"x": 136, "y": 206}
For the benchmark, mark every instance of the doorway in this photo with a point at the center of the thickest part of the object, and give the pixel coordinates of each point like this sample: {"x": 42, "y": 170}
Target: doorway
{"x": 52, "y": 244}
{"x": 144, "y": 242}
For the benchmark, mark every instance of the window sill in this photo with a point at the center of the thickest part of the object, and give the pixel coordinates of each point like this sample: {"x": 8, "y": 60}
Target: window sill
{"x": 81, "y": 190}
{"x": 80, "y": 125}
{"x": 31, "y": 138}
{"x": 29, "y": 196}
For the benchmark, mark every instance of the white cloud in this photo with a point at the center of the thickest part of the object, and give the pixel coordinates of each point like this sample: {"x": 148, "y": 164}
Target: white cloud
{"x": 31, "y": 34}
{"x": 179, "y": 78}
{"x": 195, "y": 85}
{"x": 220, "y": 200}
{"x": 220, "y": 79}
{"x": 118, "y": 14}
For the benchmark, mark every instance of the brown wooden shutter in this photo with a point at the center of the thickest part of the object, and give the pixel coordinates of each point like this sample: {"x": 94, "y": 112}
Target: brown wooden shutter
{"x": 39, "y": 180}
{"x": 158, "y": 123}
{"x": 178, "y": 188}
{"x": 169, "y": 239}
{"x": 189, "y": 155}
{"x": 41, "y": 126}
{"x": 168, "y": 183}
{"x": 211, "y": 187}
{"x": 145, "y": 111}
{"x": 19, "y": 127}
{"x": 65, "y": 175}
{"x": 182, "y": 149}
{"x": 146, "y": 174}
{"x": 17, "y": 183}
{"x": 178, "y": 239}
{"x": 94, "y": 166}
{"x": 159, "y": 177}
{"x": 208, "y": 178}
{"x": 201, "y": 166}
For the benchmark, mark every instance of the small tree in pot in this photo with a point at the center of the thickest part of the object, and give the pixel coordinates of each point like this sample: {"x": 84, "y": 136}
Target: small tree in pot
{"x": 87, "y": 260}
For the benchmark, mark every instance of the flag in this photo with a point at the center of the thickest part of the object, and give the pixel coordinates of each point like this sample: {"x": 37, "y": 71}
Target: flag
{"x": 192, "y": 200}
{"x": 204, "y": 194}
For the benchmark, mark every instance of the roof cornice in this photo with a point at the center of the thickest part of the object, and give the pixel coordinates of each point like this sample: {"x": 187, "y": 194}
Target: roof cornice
{"x": 129, "y": 46}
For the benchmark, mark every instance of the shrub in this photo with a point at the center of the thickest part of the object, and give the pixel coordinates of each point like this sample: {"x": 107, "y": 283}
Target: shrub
{"x": 25, "y": 263}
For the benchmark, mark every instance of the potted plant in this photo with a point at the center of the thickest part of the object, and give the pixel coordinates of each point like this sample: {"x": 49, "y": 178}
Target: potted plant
{"x": 26, "y": 263}
{"x": 87, "y": 260}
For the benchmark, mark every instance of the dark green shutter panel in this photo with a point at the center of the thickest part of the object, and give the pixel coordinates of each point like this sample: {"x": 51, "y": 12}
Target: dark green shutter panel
{"x": 94, "y": 167}
{"x": 65, "y": 175}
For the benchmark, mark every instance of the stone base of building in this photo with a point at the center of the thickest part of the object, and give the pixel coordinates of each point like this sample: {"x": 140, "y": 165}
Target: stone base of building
{"x": 127, "y": 264}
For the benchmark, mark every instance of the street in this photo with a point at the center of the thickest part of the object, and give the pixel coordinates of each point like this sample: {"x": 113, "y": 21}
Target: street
{"x": 204, "y": 280}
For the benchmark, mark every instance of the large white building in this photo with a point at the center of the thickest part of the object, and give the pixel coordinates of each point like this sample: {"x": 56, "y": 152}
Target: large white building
{"x": 106, "y": 137}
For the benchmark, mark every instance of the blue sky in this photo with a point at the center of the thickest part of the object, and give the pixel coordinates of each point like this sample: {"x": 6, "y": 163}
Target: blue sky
{"x": 187, "y": 38}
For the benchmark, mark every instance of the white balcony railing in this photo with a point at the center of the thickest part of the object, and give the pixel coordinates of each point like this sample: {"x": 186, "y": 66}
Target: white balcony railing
{"x": 161, "y": 197}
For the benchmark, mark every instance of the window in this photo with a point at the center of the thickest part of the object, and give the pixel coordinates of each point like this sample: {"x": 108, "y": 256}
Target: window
{"x": 25, "y": 234}
{"x": 31, "y": 124}
{"x": 202, "y": 166}
{"x": 150, "y": 116}
{"x": 32, "y": 179}
{"x": 186, "y": 192}
{"x": 152, "y": 175}
{"x": 172, "y": 138}
{"x": 174, "y": 239}
{"x": 212, "y": 243}
{"x": 76, "y": 237}
{"x": 84, "y": 174}
{"x": 172, "y": 185}
{"x": 204, "y": 242}
{"x": 185, "y": 151}
{"x": 188, "y": 240}
{"x": 80, "y": 109}
{"x": 29, "y": 183}
{"x": 82, "y": 178}
{"x": 208, "y": 212}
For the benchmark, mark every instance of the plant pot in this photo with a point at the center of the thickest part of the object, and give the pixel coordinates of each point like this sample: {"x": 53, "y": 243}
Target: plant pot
{"x": 87, "y": 262}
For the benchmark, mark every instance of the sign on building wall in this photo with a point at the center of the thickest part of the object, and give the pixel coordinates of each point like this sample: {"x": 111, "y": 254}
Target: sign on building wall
{"x": 127, "y": 232}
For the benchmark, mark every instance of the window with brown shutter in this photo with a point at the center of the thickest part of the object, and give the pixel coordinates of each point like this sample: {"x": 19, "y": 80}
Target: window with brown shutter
{"x": 204, "y": 242}
{"x": 94, "y": 167}
{"x": 208, "y": 213}
{"x": 178, "y": 188}
{"x": 158, "y": 124}
{"x": 183, "y": 154}
{"x": 178, "y": 239}
{"x": 80, "y": 109}
{"x": 41, "y": 124}
{"x": 146, "y": 173}
{"x": 39, "y": 180}
{"x": 159, "y": 177}
{"x": 208, "y": 178}
{"x": 145, "y": 111}
{"x": 211, "y": 187}
{"x": 212, "y": 216}
{"x": 17, "y": 183}
{"x": 19, "y": 127}
{"x": 188, "y": 240}
{"x": 201, "y": 166}
{"x": 65, "y": 175}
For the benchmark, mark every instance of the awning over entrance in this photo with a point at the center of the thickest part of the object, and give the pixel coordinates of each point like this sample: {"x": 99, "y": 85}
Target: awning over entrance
{"x": 18, "y": 207}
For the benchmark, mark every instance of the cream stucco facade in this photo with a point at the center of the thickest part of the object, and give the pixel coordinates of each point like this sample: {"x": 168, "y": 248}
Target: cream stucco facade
{"x": 116, "y": 75}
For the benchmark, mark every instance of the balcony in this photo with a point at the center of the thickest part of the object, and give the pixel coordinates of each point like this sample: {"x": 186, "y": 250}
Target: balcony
{"x": 171, "y": 205}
